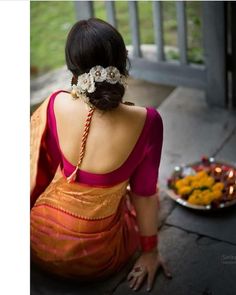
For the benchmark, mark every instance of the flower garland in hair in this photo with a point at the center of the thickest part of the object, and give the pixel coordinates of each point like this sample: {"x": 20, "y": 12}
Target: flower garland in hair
{"x": 86, "y": 82}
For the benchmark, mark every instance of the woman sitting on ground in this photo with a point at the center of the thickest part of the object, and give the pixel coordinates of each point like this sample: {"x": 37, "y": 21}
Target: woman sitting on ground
{"x": 87, "y": 148}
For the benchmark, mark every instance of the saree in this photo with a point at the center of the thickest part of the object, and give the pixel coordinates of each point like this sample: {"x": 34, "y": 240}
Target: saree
{"x": 76, "y": 230}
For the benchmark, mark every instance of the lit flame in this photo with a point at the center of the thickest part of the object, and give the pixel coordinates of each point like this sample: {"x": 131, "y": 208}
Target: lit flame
{"x": 231, "y": 173}
{"x": 218, "y": 169}
{"x": 231, "y": 190}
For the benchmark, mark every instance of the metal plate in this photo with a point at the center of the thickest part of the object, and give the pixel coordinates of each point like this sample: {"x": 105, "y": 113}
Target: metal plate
{"x": 171, "y": 193}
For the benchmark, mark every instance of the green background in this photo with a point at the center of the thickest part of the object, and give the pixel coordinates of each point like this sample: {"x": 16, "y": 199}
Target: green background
{"x": 52, "y": 20}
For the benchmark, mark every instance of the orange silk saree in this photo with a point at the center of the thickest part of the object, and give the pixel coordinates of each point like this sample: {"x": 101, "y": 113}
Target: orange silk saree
{"x": 77, "y": 230}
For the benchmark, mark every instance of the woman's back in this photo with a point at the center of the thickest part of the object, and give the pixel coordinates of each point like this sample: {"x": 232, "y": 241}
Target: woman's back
{"x": 112, "y": 135}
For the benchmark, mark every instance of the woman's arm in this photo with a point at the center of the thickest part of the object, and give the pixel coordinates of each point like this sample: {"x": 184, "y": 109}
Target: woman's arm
{"x": 147, "y": 213}
{"x": 144, "y": 196}
{"x": 149, "y": 261}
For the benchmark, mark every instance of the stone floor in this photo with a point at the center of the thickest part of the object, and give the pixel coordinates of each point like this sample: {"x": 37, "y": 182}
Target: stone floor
{"x": 200, "y": 248}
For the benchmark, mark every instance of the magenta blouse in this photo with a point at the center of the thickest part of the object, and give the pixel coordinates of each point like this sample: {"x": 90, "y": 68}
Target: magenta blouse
{"x": 141, "y": 167}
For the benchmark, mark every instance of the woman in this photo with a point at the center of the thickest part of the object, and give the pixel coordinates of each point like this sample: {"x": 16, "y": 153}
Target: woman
{"x": 87, "y": 146}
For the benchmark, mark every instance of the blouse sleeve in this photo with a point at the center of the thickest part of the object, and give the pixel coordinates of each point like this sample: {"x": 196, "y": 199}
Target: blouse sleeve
{"x": 143, "y": 181}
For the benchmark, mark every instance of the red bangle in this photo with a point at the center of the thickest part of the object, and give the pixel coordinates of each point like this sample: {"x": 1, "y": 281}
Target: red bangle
{"x": 148, "y": 242}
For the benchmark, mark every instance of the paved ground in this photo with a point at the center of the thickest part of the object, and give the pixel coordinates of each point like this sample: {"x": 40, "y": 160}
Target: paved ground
{"x": 199, "y": 248}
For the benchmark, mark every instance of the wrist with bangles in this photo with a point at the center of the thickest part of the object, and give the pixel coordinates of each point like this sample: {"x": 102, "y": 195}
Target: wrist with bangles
{"x": 149, "y": 243}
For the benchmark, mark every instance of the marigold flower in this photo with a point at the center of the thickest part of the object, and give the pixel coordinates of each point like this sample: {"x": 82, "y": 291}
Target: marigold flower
{"x": 185, "y": 190}
{"x": 218, "y": 186}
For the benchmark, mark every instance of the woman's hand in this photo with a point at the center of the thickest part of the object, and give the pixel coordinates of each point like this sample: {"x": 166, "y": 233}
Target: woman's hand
{"x": 147, "y": 265}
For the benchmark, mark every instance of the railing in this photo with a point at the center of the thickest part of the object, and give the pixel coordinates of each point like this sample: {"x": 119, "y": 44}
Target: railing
{"x": 210, "y": 76}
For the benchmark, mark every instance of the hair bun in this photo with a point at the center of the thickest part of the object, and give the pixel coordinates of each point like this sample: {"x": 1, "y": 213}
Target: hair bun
{"x": 95, "y": 42}
{"x": 107, "y": 96}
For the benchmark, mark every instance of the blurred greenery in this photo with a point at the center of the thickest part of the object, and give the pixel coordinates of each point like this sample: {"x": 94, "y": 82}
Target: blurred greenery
{"x": 52, "y": 20}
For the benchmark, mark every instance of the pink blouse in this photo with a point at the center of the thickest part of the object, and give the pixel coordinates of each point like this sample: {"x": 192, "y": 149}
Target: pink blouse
{"x": 141, "y": 167}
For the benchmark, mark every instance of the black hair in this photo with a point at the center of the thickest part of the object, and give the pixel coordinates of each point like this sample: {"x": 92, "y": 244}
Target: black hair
{"x": 95, "y": 42}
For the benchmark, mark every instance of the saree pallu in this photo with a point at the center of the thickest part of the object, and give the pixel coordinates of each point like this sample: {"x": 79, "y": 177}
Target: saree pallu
{"x": 77, "y": 230}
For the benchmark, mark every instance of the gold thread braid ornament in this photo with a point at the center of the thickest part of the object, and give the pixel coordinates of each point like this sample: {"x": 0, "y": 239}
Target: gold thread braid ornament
{"x": 72, "y": 177}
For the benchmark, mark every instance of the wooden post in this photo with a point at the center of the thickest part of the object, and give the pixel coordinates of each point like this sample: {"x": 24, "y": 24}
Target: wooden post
{"x": 84, "y": 9}
{"x": 215, "y": 45}
{"x": 111, "y": 15}
{"x": 158, "y": 29}
{"x": 182, "y": 31}
{"x": 134, "y": 25}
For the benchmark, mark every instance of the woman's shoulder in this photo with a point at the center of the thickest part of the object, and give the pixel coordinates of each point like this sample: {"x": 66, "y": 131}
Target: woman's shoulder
{"x": 156, "y": 126}
{"x": 153, "y": 127}
{"x": 61, "y": 98}
{"x": 136, "y": 109}
{"x": 62, "y": 103}
{"x": 154, "y": 122}
{"x": 155, "y": 116}
{"x": 152, "y": 114}
{"x": 59, "y": 93}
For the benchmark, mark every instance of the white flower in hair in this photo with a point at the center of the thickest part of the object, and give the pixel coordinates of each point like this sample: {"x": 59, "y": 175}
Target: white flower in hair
{"x": 113, "y": 75}
{"x": 99, "y": 73}
{"x": 86, "y": 83}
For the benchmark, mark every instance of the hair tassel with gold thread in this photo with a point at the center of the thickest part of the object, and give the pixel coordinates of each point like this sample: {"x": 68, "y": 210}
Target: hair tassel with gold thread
{"x": 73, "y": 176}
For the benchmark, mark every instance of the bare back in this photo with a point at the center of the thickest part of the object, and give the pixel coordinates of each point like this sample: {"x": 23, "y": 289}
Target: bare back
{"x": 111, "y": 138}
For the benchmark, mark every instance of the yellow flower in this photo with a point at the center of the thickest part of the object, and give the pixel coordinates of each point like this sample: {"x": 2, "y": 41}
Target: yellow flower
{"x": 189, "y": 178}
{"x": 180, "y": 183}
{"x": 216, "y": 194}
{"x": 201, "y": 174}
{"x": 204, "y": 197}
{"x": 195, "y": 199}
{"x": 196, "y": 184}
{"x": 200, "y": 197}
{"x": 218, "y": 186}
{"x": 196, "y": 192}
{"x": 208, "y": 181}
{"x": 184, "y": 190}
{"x": 206, "y": 200}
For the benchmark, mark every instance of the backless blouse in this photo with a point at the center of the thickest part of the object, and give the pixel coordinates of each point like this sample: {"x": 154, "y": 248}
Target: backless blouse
{"x": 141, "y": 167}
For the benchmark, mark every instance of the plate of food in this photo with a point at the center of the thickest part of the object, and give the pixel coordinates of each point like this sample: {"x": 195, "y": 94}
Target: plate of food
{"x": 203, "y": 185}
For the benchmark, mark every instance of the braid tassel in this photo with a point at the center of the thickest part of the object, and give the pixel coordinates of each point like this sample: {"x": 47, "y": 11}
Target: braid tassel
{"x": 72, "y": 177}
